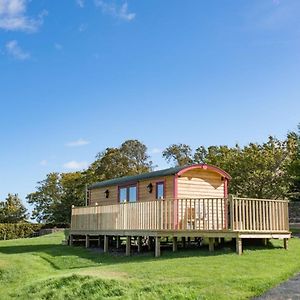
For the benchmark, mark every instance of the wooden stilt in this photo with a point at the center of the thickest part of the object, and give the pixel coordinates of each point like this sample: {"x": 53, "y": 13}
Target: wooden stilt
{"x": 189, "y": 242}
{"x": 87, "y": 241}
{"x": 139, "y": 243}
{"x": 286, "y": 244}
{"x": 239, "y": 246}
{"x": 105, "y": 248}
{"x": 174, "y": 243}
{"x": 99, "y": 241}
{"x": 149, "y": 243}
{"x": 71, "y": 240}
{"x": 157, "y": 246}
{"x": 118, "y": 242}
{"x": 183, "y": 242}
{"x": 128, "y": 245}
{"x": 211, "y": 244}
{"x": 264, "y": 242}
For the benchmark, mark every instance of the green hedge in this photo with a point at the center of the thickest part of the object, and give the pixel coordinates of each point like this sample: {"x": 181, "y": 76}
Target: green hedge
{"x": 19, "y": 230}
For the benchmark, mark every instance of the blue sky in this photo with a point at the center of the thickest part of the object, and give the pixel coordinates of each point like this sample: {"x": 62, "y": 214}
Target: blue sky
{"x": 79, "y": 76}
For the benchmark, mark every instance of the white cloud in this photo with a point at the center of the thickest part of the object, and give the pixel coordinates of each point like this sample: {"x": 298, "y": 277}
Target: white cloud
{"x": 58, "y": 46}
{"x": 155, "y": 151}
{"x": 117, "y": 11}
{"x": 13, "y": 16}
{"x": 76, "y": 165}
{"x": 13, "y": 49}
{"x": 44, "y": 162}
{"x": 82, "y": 27}
{"x": 80, "y": 3}
{"x": 78, "y": 143}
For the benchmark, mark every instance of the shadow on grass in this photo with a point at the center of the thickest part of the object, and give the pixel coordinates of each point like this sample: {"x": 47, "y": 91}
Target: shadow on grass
{"x": 65, "y": 257}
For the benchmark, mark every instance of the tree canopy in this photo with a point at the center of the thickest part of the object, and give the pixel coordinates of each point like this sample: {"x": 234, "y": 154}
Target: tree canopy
{"x": 267, "y": 170}
{"x": 12, "y": 210}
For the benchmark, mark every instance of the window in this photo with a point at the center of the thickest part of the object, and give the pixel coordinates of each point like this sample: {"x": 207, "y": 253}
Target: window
{"x": 160, "y": 190}
{"x": 128, "y": 194}
{"x": 123, "y": 194}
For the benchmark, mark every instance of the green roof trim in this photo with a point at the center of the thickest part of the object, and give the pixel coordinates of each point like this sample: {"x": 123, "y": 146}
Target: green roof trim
{"x": 135, "y": 178}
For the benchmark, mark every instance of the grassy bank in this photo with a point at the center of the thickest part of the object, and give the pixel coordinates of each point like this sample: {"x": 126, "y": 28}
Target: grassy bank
{"x": 41, "y": 268}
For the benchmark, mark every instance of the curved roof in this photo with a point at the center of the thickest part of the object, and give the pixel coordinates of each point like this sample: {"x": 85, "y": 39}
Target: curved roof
{"x": 160, "y": 173}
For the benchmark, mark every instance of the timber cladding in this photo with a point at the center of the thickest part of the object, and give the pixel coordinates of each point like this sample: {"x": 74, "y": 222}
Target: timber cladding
{"x": 98, "y": 195}
{"x": 192, "y": 183}
{"x": 199, "y": 183}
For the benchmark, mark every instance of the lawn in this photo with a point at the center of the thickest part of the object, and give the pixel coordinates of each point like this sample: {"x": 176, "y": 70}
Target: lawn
{"x": 42, "y": 268}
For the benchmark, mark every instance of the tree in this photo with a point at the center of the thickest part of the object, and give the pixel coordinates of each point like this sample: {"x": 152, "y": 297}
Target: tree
{"x": 258, "y": 171}
{"x": 12, "y": 210}
{"x": 55, "y": 195}
{"x": 45, "y": 198}
{"x": 73, "y": 187}
{"x": 294, "y": 167}
{"x": 179, "y": 154}
{"x": 135, "y": 153}
{"x": 129, "y": 159}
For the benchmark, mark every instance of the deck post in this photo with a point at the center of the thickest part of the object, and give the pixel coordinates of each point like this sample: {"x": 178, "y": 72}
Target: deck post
{"x": 87, "y": 241}
{"x": 139, "y": 244}
{"x": 71, "y": 240}
{"x": 174, "y": 243}
{"x": 286, "y": 244}
{"x": 189, "y": 242}
{"x": 118, "y": 242}
{"x": 211, "y": 244}
{"x": 183, "y": 242}
{"x": 265, "y": 242}
{"x": 128, "y": 245}
{"x": 99, "y": 241}
{"x": 239, "y": 246}
{"x": 105, "y": 248}
{"x": 157, "y": 246}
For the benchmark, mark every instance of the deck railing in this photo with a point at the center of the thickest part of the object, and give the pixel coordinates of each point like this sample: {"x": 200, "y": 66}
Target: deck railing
{"x": 235, "y": 214}
{"x": 259, "y": 215}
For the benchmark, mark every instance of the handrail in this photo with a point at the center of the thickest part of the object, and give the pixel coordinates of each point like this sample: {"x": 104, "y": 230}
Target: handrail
{"x": 233, "y": 213}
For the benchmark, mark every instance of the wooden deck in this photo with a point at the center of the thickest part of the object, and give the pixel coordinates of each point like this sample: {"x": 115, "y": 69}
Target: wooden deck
{"x": 211, "y": 218}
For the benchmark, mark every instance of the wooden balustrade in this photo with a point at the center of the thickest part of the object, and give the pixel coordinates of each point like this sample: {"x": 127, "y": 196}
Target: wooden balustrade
{"x": 261, "y": 215}
{"x": 236, "y": 214}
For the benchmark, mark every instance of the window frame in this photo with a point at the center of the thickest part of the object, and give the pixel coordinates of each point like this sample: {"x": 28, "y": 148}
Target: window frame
{"x": 163, "y": 183}
{"x": 127, "y": 187}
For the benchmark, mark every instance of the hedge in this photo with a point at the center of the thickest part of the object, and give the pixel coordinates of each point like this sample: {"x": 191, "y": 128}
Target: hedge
{"x": 55, "y": 225}
{"x": 19, "y": 230}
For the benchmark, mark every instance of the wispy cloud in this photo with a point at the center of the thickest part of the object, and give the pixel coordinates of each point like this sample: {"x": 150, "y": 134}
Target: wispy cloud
{"x": 75, "y": 165}
{"x": 44, "y": 162}
{"x": 117, "y": 11}
{"x": 78, "y": 143}
{"x": 13, "y": 49}
{"x": 273, "y": 15}
{"x": 82, "y": 27}
{"x": 80, "y": 3}
{"x": 58, "y": 46}
{"x": 13, "y": 16}
{"x": 155, "y": 151}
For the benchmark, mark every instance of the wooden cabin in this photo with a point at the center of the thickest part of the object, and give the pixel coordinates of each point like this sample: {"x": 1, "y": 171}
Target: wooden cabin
{"x": 189, "y": 201}
{"x": 196, "y": 181}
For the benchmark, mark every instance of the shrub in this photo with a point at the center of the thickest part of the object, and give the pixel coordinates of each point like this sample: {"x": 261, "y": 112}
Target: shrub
{"x": 19, "y": 230}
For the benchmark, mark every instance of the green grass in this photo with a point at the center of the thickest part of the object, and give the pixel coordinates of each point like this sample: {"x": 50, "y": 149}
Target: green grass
{"x": 41, "y": 268}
